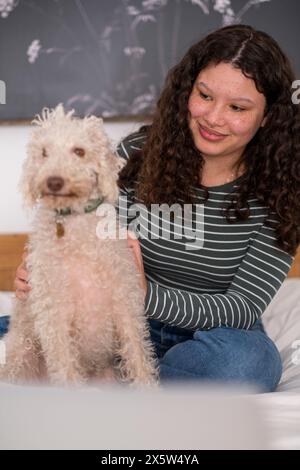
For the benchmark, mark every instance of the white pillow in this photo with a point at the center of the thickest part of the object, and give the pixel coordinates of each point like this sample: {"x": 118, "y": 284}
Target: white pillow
{"x": 282, "y": 323}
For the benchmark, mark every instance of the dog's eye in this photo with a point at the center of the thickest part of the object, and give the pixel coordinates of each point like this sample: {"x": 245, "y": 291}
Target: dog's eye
{"x": 79, "y": 151}
{"x": 44, "y": 153}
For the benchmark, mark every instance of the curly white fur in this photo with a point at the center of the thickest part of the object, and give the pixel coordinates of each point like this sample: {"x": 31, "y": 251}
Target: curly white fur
{"x": 84, "y": 317}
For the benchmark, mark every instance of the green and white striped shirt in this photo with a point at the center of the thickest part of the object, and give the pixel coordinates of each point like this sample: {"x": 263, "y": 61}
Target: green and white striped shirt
{"x": 228, "y": 281}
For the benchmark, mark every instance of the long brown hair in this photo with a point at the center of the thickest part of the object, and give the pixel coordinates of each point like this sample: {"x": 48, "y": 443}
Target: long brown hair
{"x": 169, "y": 165}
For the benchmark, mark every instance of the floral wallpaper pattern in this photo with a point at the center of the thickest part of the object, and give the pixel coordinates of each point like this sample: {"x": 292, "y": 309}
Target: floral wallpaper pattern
{"x": 120, "y": 58}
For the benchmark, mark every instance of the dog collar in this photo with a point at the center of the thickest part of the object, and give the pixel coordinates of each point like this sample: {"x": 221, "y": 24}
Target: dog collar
{"x": 91, "y": 206}
{"x": 60, "y": 213}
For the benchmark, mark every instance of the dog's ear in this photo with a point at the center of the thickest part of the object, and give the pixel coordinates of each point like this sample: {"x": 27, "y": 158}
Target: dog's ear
{"x": 108, "y": 163}
{"x": 30, "y": 168}
{"x": 108, "y": 177}
{"x": 25, "y": 185}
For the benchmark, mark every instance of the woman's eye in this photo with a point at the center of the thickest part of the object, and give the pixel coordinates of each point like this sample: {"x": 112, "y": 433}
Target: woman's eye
{"x": 233, "y": 107}
{"x": 237, "y": 108}
{"x": 79, "y": 151}
{"x": 203, "y": 95}
{"x": 44, "y": 153}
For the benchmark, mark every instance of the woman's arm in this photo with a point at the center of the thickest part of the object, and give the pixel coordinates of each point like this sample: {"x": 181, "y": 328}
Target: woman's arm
{"x": 21, "y": 280}
{"x": 134, "y": 245}
{"x": 257, "y": 280}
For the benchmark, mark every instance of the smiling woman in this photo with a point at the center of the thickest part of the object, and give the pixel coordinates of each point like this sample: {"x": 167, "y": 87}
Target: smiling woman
{"x": 225, "y": 136}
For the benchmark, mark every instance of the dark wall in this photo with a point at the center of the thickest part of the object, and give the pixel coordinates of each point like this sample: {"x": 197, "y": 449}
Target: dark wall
{"x": 110, "y": 57}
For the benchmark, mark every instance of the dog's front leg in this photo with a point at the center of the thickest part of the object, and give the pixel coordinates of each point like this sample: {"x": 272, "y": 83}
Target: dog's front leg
{"x": 21, "y": 361}
{"x": 58, "y": 343}
{"x": 138, "y": 363}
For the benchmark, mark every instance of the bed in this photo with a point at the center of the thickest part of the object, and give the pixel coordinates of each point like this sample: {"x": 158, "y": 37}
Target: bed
{"x": 281, "y": 409}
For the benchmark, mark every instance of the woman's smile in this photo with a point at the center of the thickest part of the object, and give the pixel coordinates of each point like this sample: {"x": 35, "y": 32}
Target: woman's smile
{"x": 210, "y": 135}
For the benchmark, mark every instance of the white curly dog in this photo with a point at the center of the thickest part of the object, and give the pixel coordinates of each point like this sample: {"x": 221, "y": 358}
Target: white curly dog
{"x": 84, "y": 316}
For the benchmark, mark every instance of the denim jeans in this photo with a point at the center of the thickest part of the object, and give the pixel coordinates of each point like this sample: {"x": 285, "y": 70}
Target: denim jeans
{"x": 230, "y": 355}
{"x": 4, "y": 324}
{"x": 247, "y": 357}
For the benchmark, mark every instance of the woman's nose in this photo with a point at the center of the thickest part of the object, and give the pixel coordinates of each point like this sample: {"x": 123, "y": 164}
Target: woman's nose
{"x": 214, "y": 116}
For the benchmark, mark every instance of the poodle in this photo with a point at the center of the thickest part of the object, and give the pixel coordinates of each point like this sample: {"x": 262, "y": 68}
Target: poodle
{"x": 83, "y": 319}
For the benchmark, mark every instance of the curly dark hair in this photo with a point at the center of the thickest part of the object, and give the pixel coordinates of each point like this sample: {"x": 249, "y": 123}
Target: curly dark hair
{"x": 168, "y": 167}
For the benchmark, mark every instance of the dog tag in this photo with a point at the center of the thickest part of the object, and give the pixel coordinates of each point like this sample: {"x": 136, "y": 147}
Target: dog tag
{"x": 60, "y": 230}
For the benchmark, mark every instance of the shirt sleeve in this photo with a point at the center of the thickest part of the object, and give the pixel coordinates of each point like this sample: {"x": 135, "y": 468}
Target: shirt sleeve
{"x": 258, "y": 278}
{"x": 125, "y": 148}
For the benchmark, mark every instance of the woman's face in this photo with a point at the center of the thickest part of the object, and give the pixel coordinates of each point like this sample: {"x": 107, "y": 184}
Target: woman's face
{"x": 226, "y": 110}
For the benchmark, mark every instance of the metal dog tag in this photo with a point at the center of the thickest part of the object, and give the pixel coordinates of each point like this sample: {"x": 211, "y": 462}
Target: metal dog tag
{"x": 60, "y": 230}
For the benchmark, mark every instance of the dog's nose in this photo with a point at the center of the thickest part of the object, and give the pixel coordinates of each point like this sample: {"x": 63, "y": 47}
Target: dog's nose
{"x": 55, "y": 183}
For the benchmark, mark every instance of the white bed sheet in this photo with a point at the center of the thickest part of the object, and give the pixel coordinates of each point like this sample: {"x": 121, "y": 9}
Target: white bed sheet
{"x": 6, "y": 300}
{"x": 282, "y": 323}
{"x": 281, "y": 409}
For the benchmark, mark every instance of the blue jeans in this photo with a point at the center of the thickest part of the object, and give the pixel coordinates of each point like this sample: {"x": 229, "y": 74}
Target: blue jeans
{"x": 234, "y": 356}
{"x": 220, "y": 354}
{"x": 4, "y": 324}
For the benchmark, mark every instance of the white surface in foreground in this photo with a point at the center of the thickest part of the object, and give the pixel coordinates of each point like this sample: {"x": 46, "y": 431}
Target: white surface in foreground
{"x": 185, "y": 419}
{"x": 118, "y": 418}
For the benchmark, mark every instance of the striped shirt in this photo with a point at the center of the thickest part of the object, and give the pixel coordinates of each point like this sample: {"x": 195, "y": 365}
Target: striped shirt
{"x": 227, "y": 281}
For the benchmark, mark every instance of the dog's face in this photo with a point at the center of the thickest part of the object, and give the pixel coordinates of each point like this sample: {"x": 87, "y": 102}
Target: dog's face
{"x": 69, "y": 161}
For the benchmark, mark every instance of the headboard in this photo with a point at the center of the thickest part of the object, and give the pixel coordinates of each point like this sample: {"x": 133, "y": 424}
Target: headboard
{"x": 11, "y": 249}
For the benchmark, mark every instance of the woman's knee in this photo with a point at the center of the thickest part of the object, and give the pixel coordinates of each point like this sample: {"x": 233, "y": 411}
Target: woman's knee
{"x": 241, "y": 356}
{"x": 227, "y": 355}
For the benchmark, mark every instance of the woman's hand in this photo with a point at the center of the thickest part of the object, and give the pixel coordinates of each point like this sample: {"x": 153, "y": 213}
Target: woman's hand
{"x": 21, "y": 281}
{"x": 134, "y": 245}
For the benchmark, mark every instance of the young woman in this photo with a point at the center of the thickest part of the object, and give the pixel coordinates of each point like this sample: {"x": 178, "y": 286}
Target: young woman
{"x": 224, "y": 141}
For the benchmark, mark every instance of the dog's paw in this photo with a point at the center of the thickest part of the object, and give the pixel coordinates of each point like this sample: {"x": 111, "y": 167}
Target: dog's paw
{"x": 67, "y": 378}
